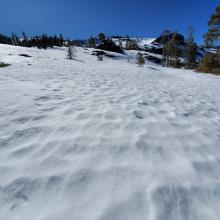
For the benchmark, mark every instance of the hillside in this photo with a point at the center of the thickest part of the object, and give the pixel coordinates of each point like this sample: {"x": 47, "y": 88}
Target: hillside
{"x": 88, "y": 140}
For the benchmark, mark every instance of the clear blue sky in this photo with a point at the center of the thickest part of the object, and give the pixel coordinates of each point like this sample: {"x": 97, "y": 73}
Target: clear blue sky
{"x": 83, "y": 18}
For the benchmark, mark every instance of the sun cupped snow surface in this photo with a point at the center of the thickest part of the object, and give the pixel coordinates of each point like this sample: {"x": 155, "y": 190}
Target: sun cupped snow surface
{"x": 88, "y": 140}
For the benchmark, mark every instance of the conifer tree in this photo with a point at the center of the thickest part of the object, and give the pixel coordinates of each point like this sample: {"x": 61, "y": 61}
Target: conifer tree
{"x": 140, "y": 59}
{"x": 127, "y": 43}
{"x": 92, "y": 42}
{"x": 214, "y": 26}
{"x": 24, "y": 42}
{"x": 102, "y": 37}
{"x": 208, "y": 40}
{"x": 61, "y": 40}
{"x": 15, "y": 39}
{"x": 211, "y": 61}
{"x": 55, "y": 40}
{"x": 70, "y": 52}
{"x": 24, "y": 35}
{"x": 164, "y": 40}
{"x": 5, "y": 39}
{"x": 190, "y": 50}
{"x": 172, "y": 52}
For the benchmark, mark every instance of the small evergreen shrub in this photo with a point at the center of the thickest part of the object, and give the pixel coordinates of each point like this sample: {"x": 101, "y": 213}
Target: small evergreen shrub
{"x": 100, "y": 58}
{"x": 71, "y": 52}
{"x": 140, "y": 59}
{"x": 210, "y": 63}
{"x": 4, "y": 64}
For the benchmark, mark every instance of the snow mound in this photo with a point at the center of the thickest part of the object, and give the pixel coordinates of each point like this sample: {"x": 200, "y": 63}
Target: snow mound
{"x": 88, "y": 140}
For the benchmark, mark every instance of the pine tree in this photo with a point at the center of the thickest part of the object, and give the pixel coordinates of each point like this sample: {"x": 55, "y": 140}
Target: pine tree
{"x": 102, "y": 37}
{"x": 55, "y": 40}
{"x": 70, "y": 52}
{"x": 92, "y": 42}
{"x": 15, "y": 39}
{"x": 140, "y": 59}
{"x": 214, "y": 26}
{"x": 24, "y": 41}
{"x": 172, "y": 52}
{"x": 61, "y": 40}
{"x": 164, "y": 40}
{"x": 208, "y": 40}
{"x": 211, "y": 62}
{"x": 5, "y": 39}
{"x": 44, "y": 42}
{"x": 24, "y": 35}
{"x": 190, "y": 50}
{"x": 127, "y": 43}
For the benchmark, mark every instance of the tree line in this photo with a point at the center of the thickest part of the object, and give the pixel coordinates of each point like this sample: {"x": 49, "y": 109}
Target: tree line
{"x": 42, "y": 41}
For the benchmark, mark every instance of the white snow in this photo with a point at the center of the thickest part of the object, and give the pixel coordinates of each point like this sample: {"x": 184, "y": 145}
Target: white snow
{"x": 89, "y": 140}
{"x": 141, "y": 42}
{"x": 146, "y": 42}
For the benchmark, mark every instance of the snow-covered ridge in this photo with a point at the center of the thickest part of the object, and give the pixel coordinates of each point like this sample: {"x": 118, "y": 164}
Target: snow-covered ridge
{"x": 88, "y": 140}
{"x": 142, "y": 42}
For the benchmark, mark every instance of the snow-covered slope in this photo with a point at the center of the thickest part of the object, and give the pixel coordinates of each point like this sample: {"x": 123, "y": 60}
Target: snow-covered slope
{"x": 89, "y": 140}
{"x": 143, "y": 43}
{"x": 146, "y": 42}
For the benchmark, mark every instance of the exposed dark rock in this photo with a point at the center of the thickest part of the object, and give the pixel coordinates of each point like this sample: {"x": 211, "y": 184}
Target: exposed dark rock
{"x": 154, "y": 59}
{"x": 109, "y": 45}
{"x": 180, "y": 38}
